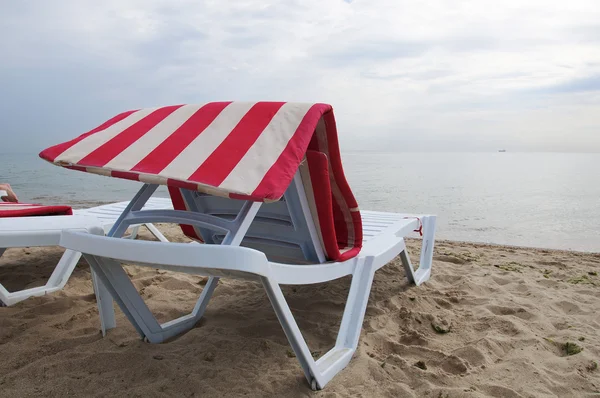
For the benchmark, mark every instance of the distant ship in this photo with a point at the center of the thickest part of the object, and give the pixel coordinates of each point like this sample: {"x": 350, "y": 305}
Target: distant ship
{"x": 501, "y": 150}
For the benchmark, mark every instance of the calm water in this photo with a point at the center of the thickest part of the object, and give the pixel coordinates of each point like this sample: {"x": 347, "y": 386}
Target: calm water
{"x": 549, "y": 200}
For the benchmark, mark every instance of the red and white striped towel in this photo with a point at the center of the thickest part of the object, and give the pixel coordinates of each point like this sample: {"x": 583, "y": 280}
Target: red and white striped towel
{"x": 27, "y": 210}
{"x": 241, "y": 150}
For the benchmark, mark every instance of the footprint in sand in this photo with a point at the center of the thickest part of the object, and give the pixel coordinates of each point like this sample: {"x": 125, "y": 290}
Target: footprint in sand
{"x": 171, "y": 283}
{"x": 519, "y": 312}
{"x": 502, "y": 281}
{"x": 451, "y": 364}
{"x": 449, "y": 259}
{"x": 552, "y": 263}
{"x": 414, "y": 338}
{"x": 499, "y": 391}
{"x": 449, "y": 279}
{"x": 569, "y": 307}
{"x": 472, "y": 355}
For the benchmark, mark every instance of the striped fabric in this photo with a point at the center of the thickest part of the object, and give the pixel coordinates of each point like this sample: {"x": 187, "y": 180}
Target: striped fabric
{"x": 27, "y": 210}
{"x": 241, "y": 150}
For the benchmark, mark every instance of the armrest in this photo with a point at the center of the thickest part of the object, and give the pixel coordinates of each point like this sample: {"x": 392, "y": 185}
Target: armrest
{"x": 167, "y": 254}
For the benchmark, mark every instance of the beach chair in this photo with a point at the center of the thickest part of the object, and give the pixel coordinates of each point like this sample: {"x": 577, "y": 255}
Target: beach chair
{"x": 27, "y": 225}
{"x": 261, "y": 187}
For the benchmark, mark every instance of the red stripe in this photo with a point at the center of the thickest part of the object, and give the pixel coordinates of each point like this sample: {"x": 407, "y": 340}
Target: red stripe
{"x": 333, "y": 150}
{"x": 349, "y": 254}
{"x": 179, "y": 204}
{"x": 107, "y": 151}
{"x": 50, "y": 154}
{"x": 229, "y": 153}
{"x": 357, "y": 228}
{"x": 319, "y": 176}
{"x": 341, "y": 227}
{"x": 170, "y": 148}
{"x": 280, "y": 175}
{"x": 125, "y": 174}
{"x": 338, "y": 178}
{"x": 182, "y": 184}
{"x": 314, "y": 143}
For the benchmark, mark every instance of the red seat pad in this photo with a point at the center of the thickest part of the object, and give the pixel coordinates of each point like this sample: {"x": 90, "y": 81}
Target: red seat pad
{"x": 28, "y": 210}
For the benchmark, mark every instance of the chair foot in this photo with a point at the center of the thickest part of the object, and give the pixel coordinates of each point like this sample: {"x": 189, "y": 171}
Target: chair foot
{"x": 313, "y": 384}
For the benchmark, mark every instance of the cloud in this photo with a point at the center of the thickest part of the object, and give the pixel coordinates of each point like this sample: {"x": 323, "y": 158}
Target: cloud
{"x": 578, "y": 85}
{"x": 400, "y": 74}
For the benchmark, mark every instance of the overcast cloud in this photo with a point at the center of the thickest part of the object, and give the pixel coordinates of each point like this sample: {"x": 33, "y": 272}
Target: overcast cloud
{"x": 401, "y": 75}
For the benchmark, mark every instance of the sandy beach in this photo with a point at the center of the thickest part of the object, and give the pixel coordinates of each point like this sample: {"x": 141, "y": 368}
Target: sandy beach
{"x": 492, "y": 321}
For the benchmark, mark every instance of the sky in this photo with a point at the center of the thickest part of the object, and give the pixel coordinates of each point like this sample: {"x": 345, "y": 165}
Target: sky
{"x": 402, "y": 75}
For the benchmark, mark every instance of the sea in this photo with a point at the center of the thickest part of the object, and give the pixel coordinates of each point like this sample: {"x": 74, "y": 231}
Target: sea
{"x": 543, "y": 200}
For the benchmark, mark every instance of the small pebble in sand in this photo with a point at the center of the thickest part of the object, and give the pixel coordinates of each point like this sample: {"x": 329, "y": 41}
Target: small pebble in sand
{"x": 421, "y": 365}
{"x": 203, "y": 281}
{"x": 441, "y": 326}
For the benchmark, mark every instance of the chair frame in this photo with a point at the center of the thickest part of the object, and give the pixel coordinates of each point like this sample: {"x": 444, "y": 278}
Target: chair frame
{"x": 106, "y": 255}
{"x": 45, "y": 231}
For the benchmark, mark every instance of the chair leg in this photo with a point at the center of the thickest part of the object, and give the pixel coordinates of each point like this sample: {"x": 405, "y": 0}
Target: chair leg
{"x": 3, "y": 292}
{"x": 134, "y": 232}
{"x": 111, "y": 281}
{"x": 56, "y": 282}
{"x": 135, "y": 229}
{"x": 320, "y": 372}
{"x": 356, "y": 305}
{"x": 104, "y": 302}
{"x": 64, "y": 269}
{"x": 424, "y": 272}
{"x": 292, "y": 331}
{"x": 408, "y": 267}
{"x": 103, "y": 297}
{"x": 156, "y": 232}
{"x": 426, "y": 260}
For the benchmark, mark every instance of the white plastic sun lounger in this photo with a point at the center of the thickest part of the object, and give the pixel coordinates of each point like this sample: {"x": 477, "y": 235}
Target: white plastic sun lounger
{"x": 46, "y": 230}
{"x": 261, "y": 185}
{"x": 382, "y": 242}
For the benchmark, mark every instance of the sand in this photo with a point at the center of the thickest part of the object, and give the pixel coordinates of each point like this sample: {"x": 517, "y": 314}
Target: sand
{"x": 492, "y": 321}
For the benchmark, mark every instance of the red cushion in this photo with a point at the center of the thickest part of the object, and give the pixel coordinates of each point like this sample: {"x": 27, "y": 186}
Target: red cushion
{"x": 28, "y": 210}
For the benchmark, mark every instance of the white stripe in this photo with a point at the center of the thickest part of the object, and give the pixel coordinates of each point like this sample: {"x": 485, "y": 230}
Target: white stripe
{"x": 152, "y": 179}
{"x": 84, "y": 147}
{"x": 204, "y": 145}
{"x": 137, "y": 151}
{"x": 99, "y": 170}
{"x": 251, "y": 169}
